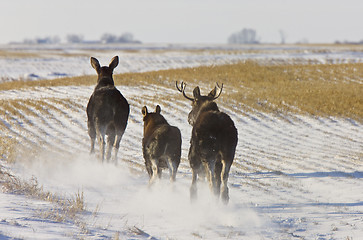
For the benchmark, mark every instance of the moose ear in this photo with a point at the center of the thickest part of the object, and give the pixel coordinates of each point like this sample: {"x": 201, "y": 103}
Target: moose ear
{"x": 113, "y": 63}
{"x": 144, "y": 111}
{"x": 158, "y": 109}
{"x": 95, "y": 64}
{"x": 196, "y": 92}
{"x": 212, "y": 93}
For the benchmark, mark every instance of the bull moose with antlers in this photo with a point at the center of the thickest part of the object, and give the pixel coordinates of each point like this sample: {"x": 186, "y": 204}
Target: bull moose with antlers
{"x": 161, "y": 144}
{"x": 213, "y": 142}
{"x": 107, "y": 110}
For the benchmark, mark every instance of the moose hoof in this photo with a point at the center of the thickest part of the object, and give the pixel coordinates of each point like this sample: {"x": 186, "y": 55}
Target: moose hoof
{"x": 193, "y": 194}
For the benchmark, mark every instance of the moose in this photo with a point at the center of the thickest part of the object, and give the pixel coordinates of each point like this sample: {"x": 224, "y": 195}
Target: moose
{"x": 213, "y": 142}
{"x": 107, "y": 111}
{"x": 161, "y": 145}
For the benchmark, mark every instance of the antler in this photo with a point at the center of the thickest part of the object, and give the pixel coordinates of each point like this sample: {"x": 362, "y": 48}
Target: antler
{"x": 220, "y": 91}
{"x": 182, "y": 89}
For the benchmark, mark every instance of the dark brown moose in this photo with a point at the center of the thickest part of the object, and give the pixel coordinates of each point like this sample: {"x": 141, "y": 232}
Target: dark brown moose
{"x": 213, "y": 142}
{"x": 107, "y": 111}
{"x": 161, "y": 145}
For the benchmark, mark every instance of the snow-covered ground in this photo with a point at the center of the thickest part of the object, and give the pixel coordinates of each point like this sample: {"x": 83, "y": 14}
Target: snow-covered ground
{"x": 294, "y": 177}
{"x": 55, "y": 61}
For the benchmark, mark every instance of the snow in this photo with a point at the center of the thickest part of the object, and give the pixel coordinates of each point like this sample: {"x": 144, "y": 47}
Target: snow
{"x": 56, "y": 61}
{"x": 294, "y": 177}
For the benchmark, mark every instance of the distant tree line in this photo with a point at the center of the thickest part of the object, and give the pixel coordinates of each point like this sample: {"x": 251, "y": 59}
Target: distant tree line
{"x": 123, "y": 38}
{"x": 126, "y": 37}
{"x": 245, "y": 36}
{"x": 44, "y": 40}
{"x": 249, "y": 36}
{"x": 349, "y": 42}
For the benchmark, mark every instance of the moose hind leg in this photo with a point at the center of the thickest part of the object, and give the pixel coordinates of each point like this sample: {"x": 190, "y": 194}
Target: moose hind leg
{"x": 116, "y": 145}
{"x": 226, "y": 166}
{"x": 193, "y": 187}
{"x": 210, "y": 168}
{"x": 92, "y": 135}
{"x": 110, "y": 141}
{"x": 101, "y": 141}
{"x": 172, "y": 168}
{"x": 155, "y": 171}
{"x": 217, "y": 171}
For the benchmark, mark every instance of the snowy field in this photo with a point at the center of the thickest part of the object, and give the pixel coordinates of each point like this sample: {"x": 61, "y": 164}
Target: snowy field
{"x": 293, "y": 177}
{"x": 54, "y": 61}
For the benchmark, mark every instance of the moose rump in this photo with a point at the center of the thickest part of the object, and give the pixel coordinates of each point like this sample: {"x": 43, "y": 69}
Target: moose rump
{"x": 161, "y": 145}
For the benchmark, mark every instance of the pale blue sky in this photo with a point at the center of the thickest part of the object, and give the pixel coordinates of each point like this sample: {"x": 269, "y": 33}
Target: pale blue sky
{"x": 187, "y": 21}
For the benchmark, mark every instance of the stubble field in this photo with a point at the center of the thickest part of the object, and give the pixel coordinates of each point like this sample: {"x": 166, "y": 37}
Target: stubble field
{"x": 298, "y": 168}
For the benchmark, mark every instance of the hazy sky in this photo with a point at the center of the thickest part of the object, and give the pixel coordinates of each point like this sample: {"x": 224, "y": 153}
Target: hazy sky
{"x": 183, "y": 21}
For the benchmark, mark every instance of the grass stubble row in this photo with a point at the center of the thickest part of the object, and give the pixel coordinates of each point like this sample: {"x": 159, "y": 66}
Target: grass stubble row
{"x": 314, "y": 90}
{"x": 319, "y": 90}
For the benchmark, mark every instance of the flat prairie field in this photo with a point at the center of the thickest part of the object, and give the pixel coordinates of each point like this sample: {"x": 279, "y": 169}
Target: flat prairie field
{"x": 298, "y": 166}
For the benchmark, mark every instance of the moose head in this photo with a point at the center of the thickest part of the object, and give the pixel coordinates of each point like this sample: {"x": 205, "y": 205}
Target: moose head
{"x": 105, "y": 73}
{"x": 152, "y": 119}
{"x": 200, "y": 103}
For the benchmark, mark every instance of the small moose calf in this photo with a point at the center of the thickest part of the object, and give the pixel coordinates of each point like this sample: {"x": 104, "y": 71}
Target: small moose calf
{"x": 161, "y": 145}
